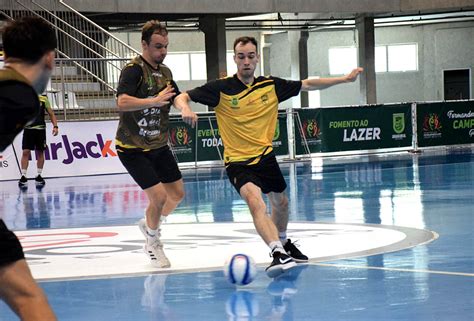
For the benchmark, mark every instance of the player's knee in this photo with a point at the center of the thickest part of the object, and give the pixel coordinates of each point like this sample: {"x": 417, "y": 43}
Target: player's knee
{"x": 282, "y": 202}
{"x": 177, "y": 196}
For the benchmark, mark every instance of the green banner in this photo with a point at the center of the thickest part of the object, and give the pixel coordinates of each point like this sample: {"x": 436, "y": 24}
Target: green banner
{"x": 308, "y": 136}
{"x": 208, "y": 142}
{"x": 182, "y": 140}
{"x": 445, "y": 123}
{"x": 353, "y": 128}
{"x": 280, "y": 139}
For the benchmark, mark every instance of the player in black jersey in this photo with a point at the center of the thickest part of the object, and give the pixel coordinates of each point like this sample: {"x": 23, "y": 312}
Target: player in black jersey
{"x": 29, "y": 45}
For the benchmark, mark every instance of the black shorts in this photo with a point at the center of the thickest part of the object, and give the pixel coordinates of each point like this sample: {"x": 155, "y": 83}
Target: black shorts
{"x": 266, "y": 175}
{"x": 10, "y": 247}
{"x": 34, "y": 139}
{"x": 151, "y": 167}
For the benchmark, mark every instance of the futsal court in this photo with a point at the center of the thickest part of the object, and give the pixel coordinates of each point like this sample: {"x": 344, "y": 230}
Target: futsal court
{"x": 390, "y": 237}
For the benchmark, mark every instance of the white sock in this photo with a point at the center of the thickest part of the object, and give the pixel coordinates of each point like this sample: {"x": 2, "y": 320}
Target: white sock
{"x": 151, "y": 233}
{"x": 163, "y": 219}
{"x": 40, "y": 170}
{"x": 276, "y": 246}
{"x": 23, "y": 172}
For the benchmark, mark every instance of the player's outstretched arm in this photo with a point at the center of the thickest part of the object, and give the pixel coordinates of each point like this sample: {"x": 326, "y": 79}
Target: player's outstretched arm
{"x": 181, "y": 102}
{"x": 323, "y": 83}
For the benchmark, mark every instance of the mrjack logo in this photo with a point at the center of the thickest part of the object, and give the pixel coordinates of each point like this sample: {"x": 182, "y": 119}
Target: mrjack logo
{"x": 79, "y": 150}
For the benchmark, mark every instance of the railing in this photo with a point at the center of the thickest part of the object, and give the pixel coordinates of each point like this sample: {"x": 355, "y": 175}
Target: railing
{"x": 90, "y": 48}
{"x": 76, "y": 95}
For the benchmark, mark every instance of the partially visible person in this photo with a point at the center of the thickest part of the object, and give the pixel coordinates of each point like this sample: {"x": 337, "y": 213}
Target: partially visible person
{"x": 29, "y": 45}
{"x": 246, "y": 110}
{"x": 34, "y": 138}
{"x": 144, "y": 96}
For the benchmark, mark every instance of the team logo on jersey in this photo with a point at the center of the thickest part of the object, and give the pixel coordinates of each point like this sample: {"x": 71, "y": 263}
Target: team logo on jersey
{"x": 264, "y": 98}
{"x": 234, "y": 102}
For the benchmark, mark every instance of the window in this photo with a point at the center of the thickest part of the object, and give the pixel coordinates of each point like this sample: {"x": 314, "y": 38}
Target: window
{"x": 179, "y": 65}
{"x": 381, "y": 59}
{"x": 342, "y": 60}
{"x": 198, "y": 66}
{"x": 402, "y": 57}
{"x": 388, "y": 58}
{"x": 231, "y": 66}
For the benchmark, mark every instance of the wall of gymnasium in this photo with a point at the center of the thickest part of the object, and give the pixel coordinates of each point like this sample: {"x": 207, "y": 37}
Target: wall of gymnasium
{"x": 440, "y": 46}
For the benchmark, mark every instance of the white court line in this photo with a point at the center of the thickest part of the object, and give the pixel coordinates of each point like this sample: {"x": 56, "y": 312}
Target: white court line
{"x": 393, "y": 269}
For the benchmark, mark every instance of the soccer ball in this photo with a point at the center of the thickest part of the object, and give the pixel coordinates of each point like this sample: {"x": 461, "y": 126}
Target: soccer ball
{"x": 240, "y": 269}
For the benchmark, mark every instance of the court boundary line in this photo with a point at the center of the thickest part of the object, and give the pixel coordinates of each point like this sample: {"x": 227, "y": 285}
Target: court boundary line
{"x": 392, "y": 269}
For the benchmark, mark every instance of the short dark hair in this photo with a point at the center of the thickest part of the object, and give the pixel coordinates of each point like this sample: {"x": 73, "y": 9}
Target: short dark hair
{"x": 245, "y": 40}
{"x": 28, "y": 39}
{"x": 151, "y": 27}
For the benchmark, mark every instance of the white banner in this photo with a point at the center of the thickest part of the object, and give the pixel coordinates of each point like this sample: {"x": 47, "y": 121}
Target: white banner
{"x": 9, "y": 168}
{"x": 80, "y": 148}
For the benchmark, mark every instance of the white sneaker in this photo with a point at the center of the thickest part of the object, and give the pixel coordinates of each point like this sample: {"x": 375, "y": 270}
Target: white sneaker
{"x": 153, "y": 248}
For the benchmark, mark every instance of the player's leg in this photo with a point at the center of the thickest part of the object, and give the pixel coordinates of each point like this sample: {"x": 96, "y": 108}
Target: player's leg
{"x": 252, "y": 195}
{"x": 279, "y": 203}
{"x": 22, "y": 294}
{"x": 40, "y": 146}
{"x": 25, "y": 157}
{"x": 246, "y": 181}
{"x": 139, "y": 165}
{"x": 175, "y": 194}
{"x": 170, "y": 176}
{"x": 17, "y": 286}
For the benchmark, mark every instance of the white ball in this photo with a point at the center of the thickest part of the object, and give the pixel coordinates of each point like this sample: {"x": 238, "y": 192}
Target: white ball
{"x": 240, "y": 269}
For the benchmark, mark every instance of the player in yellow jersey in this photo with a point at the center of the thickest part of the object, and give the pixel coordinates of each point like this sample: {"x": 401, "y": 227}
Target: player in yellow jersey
{"x": 34, "y": 138}
{"x": 246, "y": 110}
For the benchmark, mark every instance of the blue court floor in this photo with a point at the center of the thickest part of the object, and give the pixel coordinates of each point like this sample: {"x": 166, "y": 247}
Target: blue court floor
{"x": 431, "y": 193}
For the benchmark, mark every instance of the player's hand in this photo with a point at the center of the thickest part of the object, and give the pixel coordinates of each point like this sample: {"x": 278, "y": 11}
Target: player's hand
{"x": 189, "y": 117}
{"x": 354, "y": 74}
{"x": 55, "y": 130}
{"x": 164, "y": 96}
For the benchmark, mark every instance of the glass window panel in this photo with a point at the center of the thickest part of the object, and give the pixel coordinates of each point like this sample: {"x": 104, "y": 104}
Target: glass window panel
{"x": 231, "y": 66}
{"x": 198, "y": 66}
{"x": 342, "y": 60}
{"x": 179, "y": 65}
{"x": 381, "y": 59}
{"x": 402, "y": 57}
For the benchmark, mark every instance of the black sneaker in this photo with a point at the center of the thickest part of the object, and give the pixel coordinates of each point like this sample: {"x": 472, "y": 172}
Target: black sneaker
{"x": 293, "y": 251}
{"x": 39, "y": 181}
{"x": 280, "y": 264}
{"x": 23, "y": 182}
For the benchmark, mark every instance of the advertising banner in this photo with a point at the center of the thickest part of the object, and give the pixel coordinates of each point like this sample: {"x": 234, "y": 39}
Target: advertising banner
{"x": 80, "y": 148}
{"x": 366, "y": 127}
{"x": 280, "y": 139}
{"x": 9, "y": 166}
{"x": 445, "y": 123}
{"x": 308, "y": 135}
{"x": 182, "y": 139}
{"x": 209, "y": 142}
{"x": 204, "y": 142}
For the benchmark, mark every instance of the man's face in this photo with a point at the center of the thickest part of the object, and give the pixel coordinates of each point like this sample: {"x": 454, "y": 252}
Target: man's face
{"x": 246, "y": 58}
{"x": 41, "y": 83}
{"x": 157, "y": 49}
